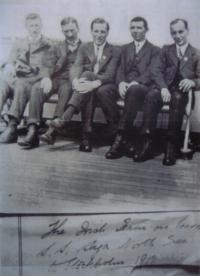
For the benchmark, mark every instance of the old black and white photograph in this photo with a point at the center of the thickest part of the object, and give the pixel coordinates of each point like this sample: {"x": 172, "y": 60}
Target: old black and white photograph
{"x": 100, "y": 137}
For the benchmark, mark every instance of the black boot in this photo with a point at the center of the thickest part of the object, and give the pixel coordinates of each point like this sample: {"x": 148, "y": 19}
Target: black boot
{"x": 170, "y": 154}
{"x": 146, "y": 150}
{"x": 31, "y": 140}
{"x": 85, "y": 143}
{"x": 117, "y": 149}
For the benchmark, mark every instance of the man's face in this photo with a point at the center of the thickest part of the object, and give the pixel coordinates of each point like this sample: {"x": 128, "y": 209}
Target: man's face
{"x": 138, "y": 30}
{"x": 70, "y": 32}
{"x": 99, "y": 33}
{"x": 34, "y": 27}
{"x": 179, "y": 33}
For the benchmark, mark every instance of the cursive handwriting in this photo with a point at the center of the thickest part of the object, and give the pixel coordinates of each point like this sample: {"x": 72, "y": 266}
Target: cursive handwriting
{"x": 129, "y": 224}
{"x": 87, "y": 229}
{"x": 56, "y": 228}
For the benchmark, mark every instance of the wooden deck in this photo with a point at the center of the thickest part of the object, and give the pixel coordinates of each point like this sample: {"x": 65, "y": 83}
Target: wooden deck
{"x": 61, "y": 179}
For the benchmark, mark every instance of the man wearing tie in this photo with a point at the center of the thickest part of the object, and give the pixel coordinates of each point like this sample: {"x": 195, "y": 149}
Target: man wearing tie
{"x": 137, "y": 90}
{"x": 177, "y": 72}
{"x": 93, "y": 76}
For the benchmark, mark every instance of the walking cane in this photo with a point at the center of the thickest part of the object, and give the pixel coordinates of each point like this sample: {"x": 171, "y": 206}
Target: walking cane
{"x": 186, "y": 152}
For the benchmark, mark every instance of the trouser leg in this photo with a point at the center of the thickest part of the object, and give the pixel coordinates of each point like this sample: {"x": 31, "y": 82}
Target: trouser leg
{"x": 134, "y": 100}
{"x": 106, "y": 97}
{"x": 176, "y": 113}
{"x": 21, "y": 97}
{"x": 152, "y": 106}
{"x": 64, "y": 94}
{"x": 5, "y": 93}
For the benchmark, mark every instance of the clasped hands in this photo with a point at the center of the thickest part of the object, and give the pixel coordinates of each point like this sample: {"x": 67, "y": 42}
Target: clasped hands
{"x": 83, "y": 85}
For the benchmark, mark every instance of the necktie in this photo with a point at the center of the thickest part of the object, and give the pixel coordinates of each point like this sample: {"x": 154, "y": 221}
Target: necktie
{"x": 179, "y": 52}
{"x": 137, "y": 47}
{"x": 96, "y": 66}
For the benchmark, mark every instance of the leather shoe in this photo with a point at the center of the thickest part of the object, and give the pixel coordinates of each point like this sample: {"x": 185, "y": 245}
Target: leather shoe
{"x": 49, "y": 137}
{"x": 31, "y": 140}
{"x": 129, "y": 150}
{"x": 146, "y": 151}
{"x": 9, "y": 135}
{"x": 170, "y": 155}
{"x": 117, "y": 149}
{"x": 85, "y": 144}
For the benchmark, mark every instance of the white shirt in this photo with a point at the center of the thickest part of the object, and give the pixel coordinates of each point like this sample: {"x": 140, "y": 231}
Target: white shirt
{"x": 98, "y": 50}
{"x": 139, "y": 45}
{"x": 182, "y": 48}
{"x": 73, "y": 45}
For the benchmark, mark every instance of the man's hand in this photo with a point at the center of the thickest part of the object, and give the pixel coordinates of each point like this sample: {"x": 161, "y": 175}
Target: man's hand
{"x": 83, "y": 86}
{"x": 133, "y": 83}
{"x": 46, "y": 85}
{"x": 165, "y": 94}
{"x": 186, "y": 84}
{"x": 123, "y": 87}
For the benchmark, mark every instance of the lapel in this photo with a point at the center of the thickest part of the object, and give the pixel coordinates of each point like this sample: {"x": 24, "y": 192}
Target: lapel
{"x": 143, "y": 51}
{"x": 187, "y": 56}
{"x": 106, "y": 55}
{"x": 131, "y": 53}
{"x": 41, "y": 44}
{"x": 90, "y": 52}
{"x": 173, "y": 55}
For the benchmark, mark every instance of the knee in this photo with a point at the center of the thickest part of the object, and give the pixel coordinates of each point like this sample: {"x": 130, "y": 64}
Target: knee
{"x": 176, "y": 99}
{"x": 104, "y": 90}
{"x": 153, "y": 96}
{"x": 133, "y": 92}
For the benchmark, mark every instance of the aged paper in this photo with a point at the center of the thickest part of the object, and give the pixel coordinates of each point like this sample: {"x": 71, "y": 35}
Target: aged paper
{"x": 144, "y": 244}
{"x": 101, "y": 245}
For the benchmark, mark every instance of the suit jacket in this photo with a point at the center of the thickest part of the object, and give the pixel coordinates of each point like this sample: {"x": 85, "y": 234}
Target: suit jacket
{"x": 85, "y": 61}
{"x": 166, "y": 67}
{"x": 64, "y": 59}
{"x": 143, "y": 62}
{"x": 33, "y": 60}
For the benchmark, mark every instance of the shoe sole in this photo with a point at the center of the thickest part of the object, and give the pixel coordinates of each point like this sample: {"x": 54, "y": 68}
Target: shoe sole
{"x": 46, "y": 141}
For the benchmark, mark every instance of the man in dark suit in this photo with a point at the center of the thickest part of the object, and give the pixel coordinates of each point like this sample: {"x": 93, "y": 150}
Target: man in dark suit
{"x": 177, "y": 72}
{"x": 137, "y": 90}
{"x": 65, "y": 55}
{"x": 93, "y": 77}
{"x": 32, "y": 62}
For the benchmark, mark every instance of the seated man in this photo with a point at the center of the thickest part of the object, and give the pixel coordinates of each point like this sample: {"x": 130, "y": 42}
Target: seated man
{"x": 177, "y": 72}
{"x": 65, "y": 55}
{"x": 93, "y": 77}
{"x": 32, "y": 61}
{"x": 137, "y": 90}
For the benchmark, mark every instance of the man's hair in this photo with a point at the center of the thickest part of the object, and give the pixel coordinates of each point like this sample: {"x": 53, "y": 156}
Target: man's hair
{"x": 32, "y": 16}
{"x": 68, "y": 20}
{"x": 175, "y": 21}
{"x": 139, "y": 19}
{"x": 99, "y": 20}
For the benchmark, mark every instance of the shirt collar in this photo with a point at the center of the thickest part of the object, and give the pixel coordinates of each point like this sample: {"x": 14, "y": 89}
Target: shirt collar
{"x": 183, "y": 48}
{"x": 140, "y": 43}
{"x": 31, "y": 40}
{"x": 101, "y": 47}
{"x": 72, "y": 46}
